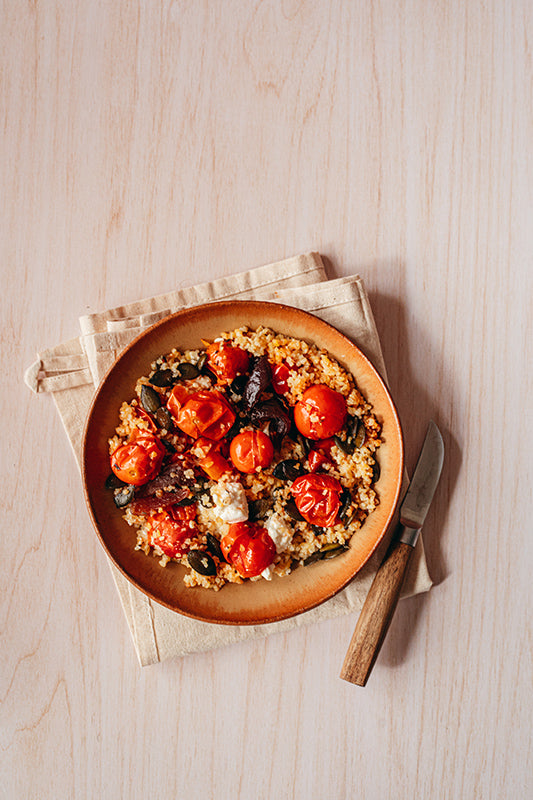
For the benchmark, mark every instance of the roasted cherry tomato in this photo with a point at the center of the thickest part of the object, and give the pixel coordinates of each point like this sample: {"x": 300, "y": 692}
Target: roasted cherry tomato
{"x": 215, "y": 466}
{"x": 177, "y": 398}
{"x": 205, "y": 413}
{"x": 210, "y": 458}
{"x": 248, "y": 548}
{"x": 316, "y": 460}
{"x": 320, "y": 454}
{"x": 142, "y": 414}
{"x": 138, "y": 461}
{"x": 227, "y": 361}
{"x": 324, "y": 445}
{"x": 168, "y": 530}
{"x": 280, "y": 373}
{"x": 317, "y": 498}
{"x": 320, "y": 413}
{"x": 182, "y": 513}
{"x": 235, "y": 530}
{"x": 250, "y": 450}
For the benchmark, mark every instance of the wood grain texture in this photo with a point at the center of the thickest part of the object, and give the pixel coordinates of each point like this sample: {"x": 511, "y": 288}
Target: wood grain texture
{"x": 147, "y": 146}
{"x": 376, "y": 615}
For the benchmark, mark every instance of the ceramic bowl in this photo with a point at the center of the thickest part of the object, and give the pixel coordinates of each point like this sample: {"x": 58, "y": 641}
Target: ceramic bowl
{"x": 256, "y": 602}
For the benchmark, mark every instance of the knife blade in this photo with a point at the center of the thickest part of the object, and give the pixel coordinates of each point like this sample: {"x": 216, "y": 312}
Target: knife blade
{"x": 426, "y": 476}
{"x": 380, "y": 604}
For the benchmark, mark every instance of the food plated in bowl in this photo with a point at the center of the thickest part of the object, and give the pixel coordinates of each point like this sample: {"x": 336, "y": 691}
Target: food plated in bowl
{"x": 245, "y": 459}
{"x": 244, "y": 441}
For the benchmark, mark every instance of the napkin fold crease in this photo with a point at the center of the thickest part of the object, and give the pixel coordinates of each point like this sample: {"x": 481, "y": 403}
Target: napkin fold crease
{"x": 71, "y": 371}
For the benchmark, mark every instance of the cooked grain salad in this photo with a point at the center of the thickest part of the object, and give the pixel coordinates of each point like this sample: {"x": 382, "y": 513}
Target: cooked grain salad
{"x": 245, "y": 459}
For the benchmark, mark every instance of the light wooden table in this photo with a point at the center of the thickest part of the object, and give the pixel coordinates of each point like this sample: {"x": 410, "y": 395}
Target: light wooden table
{"x": 147, "y": 146}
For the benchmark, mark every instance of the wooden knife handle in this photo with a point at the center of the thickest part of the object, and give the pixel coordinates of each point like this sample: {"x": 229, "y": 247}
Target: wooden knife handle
{"x": 376, "y": 615}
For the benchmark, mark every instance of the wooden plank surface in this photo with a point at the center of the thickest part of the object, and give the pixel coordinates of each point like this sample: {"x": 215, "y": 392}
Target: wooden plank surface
{"x": 148, "y": 146}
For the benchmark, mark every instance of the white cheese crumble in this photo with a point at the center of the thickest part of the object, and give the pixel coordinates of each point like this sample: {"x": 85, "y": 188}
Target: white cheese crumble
{"x": 230, "y": 501}
{"x": 279, "y": 531}
{"x": 268, "y": 572}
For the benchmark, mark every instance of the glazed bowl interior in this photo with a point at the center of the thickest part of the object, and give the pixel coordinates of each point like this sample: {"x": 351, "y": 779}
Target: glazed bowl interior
{"x": 259, "y": 601}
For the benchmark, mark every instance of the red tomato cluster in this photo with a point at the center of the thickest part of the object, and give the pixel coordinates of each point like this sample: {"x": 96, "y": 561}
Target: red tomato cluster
{"x": 206, "y": 416}
{"x": 248, "y": 548}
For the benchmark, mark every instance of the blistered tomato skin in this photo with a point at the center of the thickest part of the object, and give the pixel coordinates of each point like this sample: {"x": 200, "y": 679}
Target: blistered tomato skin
{"x": 178, "y": 396}
{"x": 169, "y": 530}
{"x": 317, "y": 498}
{"x": 316, "y": 460}
{"x": 320, "y": 413}
{"x": 280, "y": 374}
{"x": 248, "y": 548}
{"x": 227, "y": 361}
{"x": 205, "y": 413}
{"x": 138, "y": 461}
{"x": 251, "y": 450}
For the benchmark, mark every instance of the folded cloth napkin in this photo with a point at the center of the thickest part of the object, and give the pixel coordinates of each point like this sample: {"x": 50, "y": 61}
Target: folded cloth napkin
{"x": 73, "y": 369}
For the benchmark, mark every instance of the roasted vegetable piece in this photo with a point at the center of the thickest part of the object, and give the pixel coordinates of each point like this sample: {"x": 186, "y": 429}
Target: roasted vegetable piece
{"x": 258, "y": 382}
{"x": 205, "y": 413}
{"x": 173, "y": 475}
{"x": 178, "y": 396}
{"x": 251, "y": 450}
{"x": 139, "y": 460}
{"x": 316, "y": 460}
{"x": 277, "y": 416}
{"x": 280, "y": 373}
{"x": 215, "y": 465}
{"x": 227, "y": 361}
{"x": 154, "y": 502}
{"x": 168, "y": 533}
{"x": 210, "y": 459}
{"x": 317, "y": 498}
{"x": 321, "y": 412}
{"x": 320, "y": 454}
{"x": 249, "y": 548}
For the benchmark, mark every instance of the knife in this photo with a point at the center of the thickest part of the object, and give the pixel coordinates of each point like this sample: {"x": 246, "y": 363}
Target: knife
{"x": 380, "y": 604}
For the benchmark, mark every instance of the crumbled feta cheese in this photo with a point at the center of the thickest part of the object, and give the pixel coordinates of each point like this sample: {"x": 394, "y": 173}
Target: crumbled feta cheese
{"x": 268, "y": 572}
{"x": 230, "y": 501}
{"x": 279, "y": 531}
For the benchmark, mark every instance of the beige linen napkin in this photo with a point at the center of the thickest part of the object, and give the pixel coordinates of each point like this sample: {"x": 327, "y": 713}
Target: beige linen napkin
{"x": 72, "y": 370}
